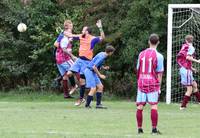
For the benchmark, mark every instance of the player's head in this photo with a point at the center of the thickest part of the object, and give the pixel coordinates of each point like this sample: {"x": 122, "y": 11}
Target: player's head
{"x": 109, "y": 50}
{"x": 68, "y": 25}
{"x": 189, "y": 38}
{"x": 154, "y": 40}
{"x": 86, "y": 30}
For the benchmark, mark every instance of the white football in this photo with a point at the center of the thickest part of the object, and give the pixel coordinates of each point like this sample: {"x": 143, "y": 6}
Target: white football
{"x": 21, "y": 27}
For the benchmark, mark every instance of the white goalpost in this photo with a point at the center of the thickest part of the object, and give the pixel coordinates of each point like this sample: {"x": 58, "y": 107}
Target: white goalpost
{"x": 183, "y": 19}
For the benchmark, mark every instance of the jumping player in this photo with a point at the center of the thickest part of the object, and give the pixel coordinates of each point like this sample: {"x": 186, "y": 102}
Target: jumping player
{"x": 150, "y": 68}
{"x": 93, "y": 77}
{"x": 185, "y": 58}
{"x": 65, "y": 58}
{"x": 87, "y": 44}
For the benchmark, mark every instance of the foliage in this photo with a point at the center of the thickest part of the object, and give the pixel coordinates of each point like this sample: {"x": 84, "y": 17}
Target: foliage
{"x": 26, "y": 59}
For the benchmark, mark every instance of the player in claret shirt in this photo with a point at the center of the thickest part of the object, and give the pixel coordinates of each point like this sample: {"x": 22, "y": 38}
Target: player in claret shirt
{"x": 150, "y": 69}
{"x": 65, "y": 59}
{"x": 185, "y": 58}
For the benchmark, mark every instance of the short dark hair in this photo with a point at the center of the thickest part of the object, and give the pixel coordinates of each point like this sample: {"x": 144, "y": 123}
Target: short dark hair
{"x": 153, "y": 39}
{"x": 89, "y": 29}
{"x": 109, "y": 49}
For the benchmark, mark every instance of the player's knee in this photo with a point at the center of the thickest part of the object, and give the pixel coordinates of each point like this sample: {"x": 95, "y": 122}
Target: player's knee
{"x": 140, "y": 107}
{"x": 82, "y": 81}
{"x": 189, "y": 90}
{"x": 195, "y": 86}
{"x": 65, "y": 77}
{"x": 92, "y": 91}
{"x": 100, "y": 88}
{"x": 155, "y": 107}
{"x": 69, "y": 73}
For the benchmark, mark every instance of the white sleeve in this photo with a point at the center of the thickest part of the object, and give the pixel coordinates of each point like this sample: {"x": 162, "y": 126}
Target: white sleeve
{"x": 64, "y": 42}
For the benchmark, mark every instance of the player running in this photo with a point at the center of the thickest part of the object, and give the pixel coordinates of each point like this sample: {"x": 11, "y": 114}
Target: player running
{"x": 87, "y": 44}
{"x": 65, "y": 59}
{"x": 150, "y": 68}
{"x": 93, "y": 77}
{"x": 185, "y": 58}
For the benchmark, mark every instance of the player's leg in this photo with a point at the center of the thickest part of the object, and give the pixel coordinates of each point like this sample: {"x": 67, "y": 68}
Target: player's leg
{"x": 63, "y": 69}
{"x": 75, "y": 68}
{"x": 81, "y": 91}
{"x": 65, "y": 87}
{"x": 99, "y": 97}
{"x": 90, "y": 97}
{"x": 196, "y": 91}
{"x": 153, "y": 101}
{"x": 99, "y": 92}
{"x": 74, "y": 86}
{"x": 186, "y": 97}
{"x": 82, "y": 86}
{"x": 186, "y": 80}
{"x": 82, "y": 66}
{"x": 140, "y": 102}
{"x": 90, "y": 83}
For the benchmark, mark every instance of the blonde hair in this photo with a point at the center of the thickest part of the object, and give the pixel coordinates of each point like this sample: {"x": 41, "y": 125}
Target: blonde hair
{"x": 189, "y": 38}
{"x": 67, "y": 22}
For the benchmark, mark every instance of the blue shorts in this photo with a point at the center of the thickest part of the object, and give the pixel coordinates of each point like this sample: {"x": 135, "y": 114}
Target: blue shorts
{"x": 92, "y": 80}
{"x": 79, "y": 66}
{"x": 63, "y": 68}
{"x": 186, "y": 76}
{"x": 143, "y": 98}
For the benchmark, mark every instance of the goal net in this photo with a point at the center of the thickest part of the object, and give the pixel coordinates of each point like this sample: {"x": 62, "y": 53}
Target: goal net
{"x": 183, "y": 19}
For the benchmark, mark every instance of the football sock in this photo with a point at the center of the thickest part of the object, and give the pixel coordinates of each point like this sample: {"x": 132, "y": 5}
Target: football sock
{"x": 72, "y": 81}
{"x": 139, "y": 117}
{"x": 154, "y": 118}
{"x": 197, "y": 94}
{"x": 185, "y": 101}
{"x": 98, "y": 96}
{"x": 89, "y": 99}
{"x": 65, "y": 88}
{"x": 82, "y": 91}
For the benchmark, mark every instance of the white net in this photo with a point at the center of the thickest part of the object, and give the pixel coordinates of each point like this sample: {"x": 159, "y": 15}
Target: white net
{"x": 185, "y": 21}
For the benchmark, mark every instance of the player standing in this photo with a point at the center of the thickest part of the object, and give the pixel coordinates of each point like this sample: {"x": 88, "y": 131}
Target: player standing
{"x": 87, "y": 44}
{"x": 185, "y": 58}
{"x": 93, "y": 76}
{"x": 150, "y": 68}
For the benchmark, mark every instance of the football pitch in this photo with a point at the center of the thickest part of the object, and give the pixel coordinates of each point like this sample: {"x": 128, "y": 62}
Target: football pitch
{"x": 64, "y": 120}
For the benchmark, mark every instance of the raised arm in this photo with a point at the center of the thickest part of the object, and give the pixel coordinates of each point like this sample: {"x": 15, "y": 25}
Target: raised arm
{"x": 99, "y": 25}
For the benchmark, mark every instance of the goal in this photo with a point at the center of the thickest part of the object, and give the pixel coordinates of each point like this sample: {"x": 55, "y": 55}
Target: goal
{"x": 183, "y": 19}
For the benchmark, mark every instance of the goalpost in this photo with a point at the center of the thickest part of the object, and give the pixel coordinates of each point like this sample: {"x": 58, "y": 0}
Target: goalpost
{"x": 183, "y": 19}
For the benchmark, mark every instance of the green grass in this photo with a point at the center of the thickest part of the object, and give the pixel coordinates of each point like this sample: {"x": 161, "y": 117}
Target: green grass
{"x": 61, "y": 119}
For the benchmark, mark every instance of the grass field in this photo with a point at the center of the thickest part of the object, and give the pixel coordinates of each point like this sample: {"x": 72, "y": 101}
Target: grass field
{"x": 61, "y": 119}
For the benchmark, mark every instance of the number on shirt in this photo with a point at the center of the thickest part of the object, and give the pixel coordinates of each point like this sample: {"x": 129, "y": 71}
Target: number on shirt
{"x": 149, "y": 64}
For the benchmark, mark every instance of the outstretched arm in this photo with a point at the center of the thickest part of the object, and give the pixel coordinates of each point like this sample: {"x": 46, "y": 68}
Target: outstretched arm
{"x": 190, "y": 58}
{"x": 72, "y": 35}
